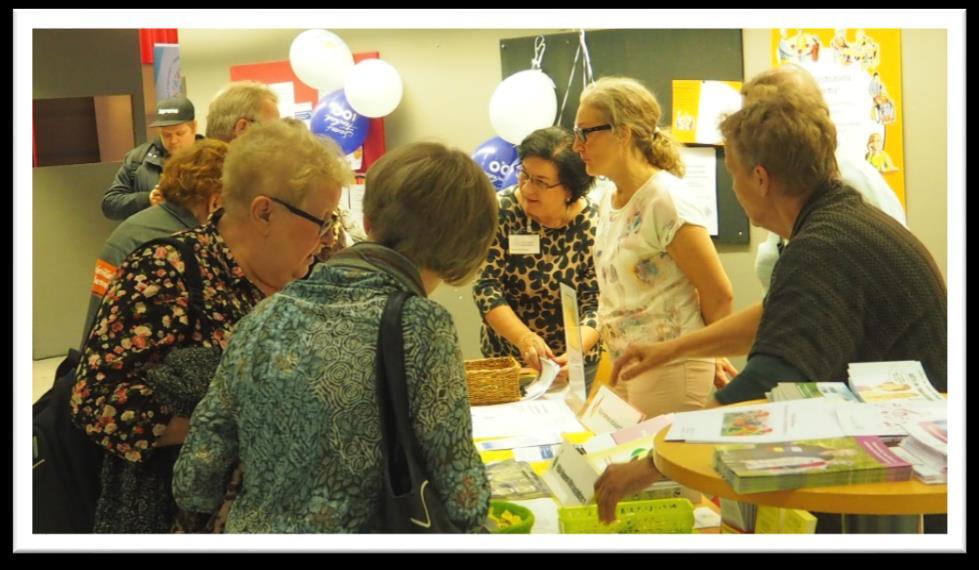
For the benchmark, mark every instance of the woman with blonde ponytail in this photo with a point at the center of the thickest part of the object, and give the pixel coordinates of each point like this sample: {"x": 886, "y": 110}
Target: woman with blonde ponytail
{"x": 659, "y": 275}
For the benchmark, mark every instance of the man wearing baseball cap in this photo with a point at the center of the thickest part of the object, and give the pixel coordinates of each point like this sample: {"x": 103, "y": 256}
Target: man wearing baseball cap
{"x": 134, "y": 188}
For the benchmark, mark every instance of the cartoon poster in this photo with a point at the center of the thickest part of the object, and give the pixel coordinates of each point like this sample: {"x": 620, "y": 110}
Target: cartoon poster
{"x": 859, "y": 71}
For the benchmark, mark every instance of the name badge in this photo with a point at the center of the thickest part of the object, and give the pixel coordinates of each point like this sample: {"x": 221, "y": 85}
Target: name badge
{"x": 525, "y": 244}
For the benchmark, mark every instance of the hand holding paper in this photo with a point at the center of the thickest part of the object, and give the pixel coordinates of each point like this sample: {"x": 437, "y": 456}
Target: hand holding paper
{"x": 549, "y": 371}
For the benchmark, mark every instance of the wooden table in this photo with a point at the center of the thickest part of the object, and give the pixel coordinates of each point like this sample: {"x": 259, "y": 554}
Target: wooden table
{"x": 868, "y": 507}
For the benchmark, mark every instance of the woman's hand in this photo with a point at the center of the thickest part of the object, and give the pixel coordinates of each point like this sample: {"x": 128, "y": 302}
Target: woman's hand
{"x": 532, "y": 349}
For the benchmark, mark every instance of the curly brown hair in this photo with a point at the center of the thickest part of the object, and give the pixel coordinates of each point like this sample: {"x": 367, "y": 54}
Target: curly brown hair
{"x": 191, "y": 176}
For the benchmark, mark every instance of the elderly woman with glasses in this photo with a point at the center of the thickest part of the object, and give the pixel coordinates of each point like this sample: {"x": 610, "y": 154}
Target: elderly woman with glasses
{"x": 156, "y": 343}
{"x": 659, "y": 275}
{"x": 544, "y": 238}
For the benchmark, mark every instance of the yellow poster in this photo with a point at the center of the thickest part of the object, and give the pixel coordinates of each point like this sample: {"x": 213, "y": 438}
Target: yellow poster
{"x": 699, "y": 106}
{"x": 859, "y": 71}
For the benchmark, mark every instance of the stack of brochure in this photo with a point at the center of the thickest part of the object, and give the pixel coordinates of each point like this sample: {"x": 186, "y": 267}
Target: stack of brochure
{"x": 926, "y": 448}
{"x": 786, "y": 391}
{"x": 898, "y": 380}
{"x": 514, "y": 480}
{"x": 737, "y": 517}
{"x": 767, "y": 467}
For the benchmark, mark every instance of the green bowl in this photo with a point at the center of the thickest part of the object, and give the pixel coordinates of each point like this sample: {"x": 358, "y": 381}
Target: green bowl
{"x": 497, "y": 508}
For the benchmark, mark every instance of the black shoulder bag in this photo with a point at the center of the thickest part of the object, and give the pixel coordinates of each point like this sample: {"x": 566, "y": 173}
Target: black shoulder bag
{"x": 409, "y": 504}
{"x": 67, "y": 464}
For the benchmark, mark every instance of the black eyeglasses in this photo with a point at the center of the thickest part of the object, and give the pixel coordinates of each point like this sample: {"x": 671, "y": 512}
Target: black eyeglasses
{"x": 523, "y": 177}
{"x": 582, "y": 134}
{"x": 323, "y": 224}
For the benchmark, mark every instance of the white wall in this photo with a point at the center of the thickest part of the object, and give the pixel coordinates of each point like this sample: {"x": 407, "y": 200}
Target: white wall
{"x": 449, "y": 76}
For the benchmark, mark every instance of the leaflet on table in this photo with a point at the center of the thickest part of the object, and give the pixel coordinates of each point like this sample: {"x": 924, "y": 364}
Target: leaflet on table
{"x": 537, "y": 388}
{"x": 519, "y": 441}
{"x": 763, "y": 423}
{"x": 896, "y": 380}
{"x": 608, "y": 412}
{"x": 541, "y": 416}
{"x": 622, "y": 453}
{"x": 571, "y": 477}
{"x": 647, "y": 428}
{"x": 931, "y": 433}
{"x": 886, "y": 418}
{"x": 536, "y": 453}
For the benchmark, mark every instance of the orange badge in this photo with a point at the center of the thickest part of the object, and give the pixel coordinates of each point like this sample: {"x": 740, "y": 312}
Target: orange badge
{"x": 104, "y": 272}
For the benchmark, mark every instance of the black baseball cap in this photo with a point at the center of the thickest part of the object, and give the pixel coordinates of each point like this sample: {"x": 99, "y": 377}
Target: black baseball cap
{"x": 173, "y": 111}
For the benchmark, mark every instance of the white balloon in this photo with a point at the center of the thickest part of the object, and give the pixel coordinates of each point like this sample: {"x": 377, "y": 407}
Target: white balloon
{"x": 373, "y": 88}
{"x": 320, "y": 59}
{"x": 522, "y": 103}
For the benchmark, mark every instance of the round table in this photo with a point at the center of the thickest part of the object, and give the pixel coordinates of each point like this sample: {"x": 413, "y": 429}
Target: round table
{"x": 902, "y": 503}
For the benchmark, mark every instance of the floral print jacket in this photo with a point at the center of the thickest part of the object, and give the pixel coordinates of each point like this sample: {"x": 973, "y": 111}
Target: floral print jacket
{"x": 145, "y": 314}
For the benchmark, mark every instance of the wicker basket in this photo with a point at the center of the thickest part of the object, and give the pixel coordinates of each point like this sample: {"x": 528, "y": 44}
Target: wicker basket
{"x": 493, "y": 380}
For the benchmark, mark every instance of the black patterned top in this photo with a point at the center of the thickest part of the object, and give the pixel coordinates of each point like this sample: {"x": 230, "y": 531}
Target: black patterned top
{"x": 531, "y": 284}
{"x": 143, "y": 316}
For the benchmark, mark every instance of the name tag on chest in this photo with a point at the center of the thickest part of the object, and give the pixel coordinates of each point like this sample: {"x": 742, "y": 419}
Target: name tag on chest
{"x": 525, "y": 244}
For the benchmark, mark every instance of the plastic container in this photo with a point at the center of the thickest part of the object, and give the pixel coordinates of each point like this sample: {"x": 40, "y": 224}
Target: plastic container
{"x": 498, "y": 508}
{"x": 657, "y": 516}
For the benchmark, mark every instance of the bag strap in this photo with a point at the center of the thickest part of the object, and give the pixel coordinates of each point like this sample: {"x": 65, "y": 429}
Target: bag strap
{"x": 192, "y": 280}
{"x": 399, "y": 449}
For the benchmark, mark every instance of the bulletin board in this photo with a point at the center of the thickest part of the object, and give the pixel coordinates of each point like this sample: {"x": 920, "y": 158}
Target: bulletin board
{"x": 656, "y": 58}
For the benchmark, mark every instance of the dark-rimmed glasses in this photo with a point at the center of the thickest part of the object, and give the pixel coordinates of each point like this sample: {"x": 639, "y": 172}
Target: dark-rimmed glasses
{"x": 582, "y": 134}
{"x": 323, "y": 224}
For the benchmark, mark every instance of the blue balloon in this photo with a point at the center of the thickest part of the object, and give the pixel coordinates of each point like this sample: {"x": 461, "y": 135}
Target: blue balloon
{"x": 333, "y": 117}
{"x": 511, "y": 179}
{"x": 497, "y": 158}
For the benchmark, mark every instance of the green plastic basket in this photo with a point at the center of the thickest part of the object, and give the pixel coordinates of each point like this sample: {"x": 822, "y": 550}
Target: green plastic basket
{"x": 659, "y": 516}
{"x": 497, "y": 508}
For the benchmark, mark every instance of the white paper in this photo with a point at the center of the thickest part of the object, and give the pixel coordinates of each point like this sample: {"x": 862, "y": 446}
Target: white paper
{"x": 701, "y": 180}
{"x": 545, "y": 514}
{"x": 765, "y": 423}
{"x": 705, "y": 517}
{"x": 600, "y": 442}
{"x": 572, "y": 339}
{"x": 716, "y": 99}
{"x": 355, "y": 195}
{"x": 519, "y": 441}
{"x": 608, "y": 413}
{"x": 286, "y": 92}
{"x": 524, "y": 244}
{"x": 541, "y": 416}
{"x": 537, "y": 388}
{"x": 886, "y": 418}
{"x": 536, "y": 453}
{"x": 571, "y": 478}
{"x": 896, "y": 380}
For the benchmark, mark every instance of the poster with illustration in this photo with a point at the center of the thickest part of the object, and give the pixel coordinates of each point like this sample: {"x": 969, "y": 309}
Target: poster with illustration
{"x": 752, "y": 422}
{"x": 859, "y": 71}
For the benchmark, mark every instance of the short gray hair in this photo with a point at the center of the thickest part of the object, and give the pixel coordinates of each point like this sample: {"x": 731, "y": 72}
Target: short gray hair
{"x": 281, "y": 159}
{"x": 241, "y": 99}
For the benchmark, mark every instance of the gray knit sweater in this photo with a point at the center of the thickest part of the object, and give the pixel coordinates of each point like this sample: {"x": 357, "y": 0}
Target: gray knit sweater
{"x": 853, "y": 285}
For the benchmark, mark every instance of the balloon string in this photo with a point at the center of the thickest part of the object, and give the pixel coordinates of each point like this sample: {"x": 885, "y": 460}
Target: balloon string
{"x": 539, "y": 46}
{"x": 587, "y": 77}
{"x": 567, "y": 91}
